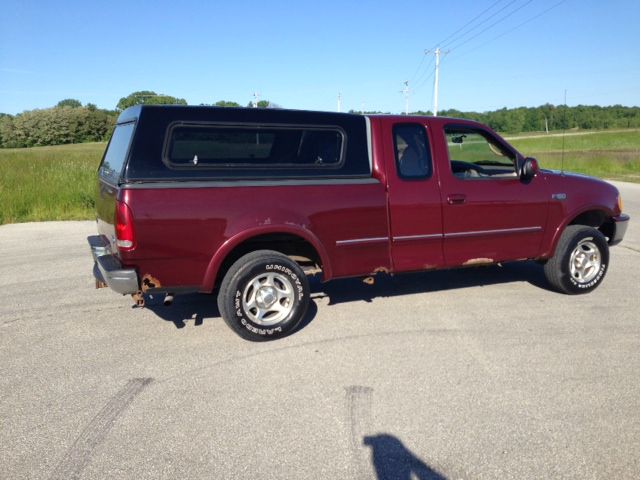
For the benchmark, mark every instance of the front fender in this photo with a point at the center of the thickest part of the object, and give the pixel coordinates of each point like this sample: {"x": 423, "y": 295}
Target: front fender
{"x": 571, "y": 196}
{"x": 567, "y": 219}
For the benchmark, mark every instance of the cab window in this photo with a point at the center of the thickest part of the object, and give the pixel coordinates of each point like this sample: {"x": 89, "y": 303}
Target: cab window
{"x": 413, "y": 157}
{"x": 474, "y": 154}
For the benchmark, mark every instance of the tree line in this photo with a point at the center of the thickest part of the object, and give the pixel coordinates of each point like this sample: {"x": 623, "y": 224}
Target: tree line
{"x": 549, "y": 117}
{"x": 71, "y": 122}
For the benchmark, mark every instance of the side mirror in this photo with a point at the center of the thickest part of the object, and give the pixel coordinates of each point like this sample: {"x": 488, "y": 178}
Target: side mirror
{"x": 529, "y": 169}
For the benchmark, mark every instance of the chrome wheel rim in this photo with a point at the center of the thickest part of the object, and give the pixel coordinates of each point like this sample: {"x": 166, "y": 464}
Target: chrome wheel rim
{"x": 585, "y": 261}
{"x": 268, "y": 298}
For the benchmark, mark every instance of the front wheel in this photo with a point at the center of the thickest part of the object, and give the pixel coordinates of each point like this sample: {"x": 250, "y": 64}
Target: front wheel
{"x": 580, "y": 261}
{"x": 264, "y": 295}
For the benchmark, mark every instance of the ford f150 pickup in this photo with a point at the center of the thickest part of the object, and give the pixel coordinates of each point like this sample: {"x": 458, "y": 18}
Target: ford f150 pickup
{"x": 244, "y": 202}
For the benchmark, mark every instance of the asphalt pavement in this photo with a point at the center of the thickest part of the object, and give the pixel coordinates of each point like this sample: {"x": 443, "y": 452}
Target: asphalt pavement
{"x": 474, "y": 373}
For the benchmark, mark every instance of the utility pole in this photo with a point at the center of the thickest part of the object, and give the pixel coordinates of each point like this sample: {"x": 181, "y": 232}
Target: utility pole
{"x": 435, "y": 83}
{"x": 406, "y": 91}
{"x": 339, "y": 102}
{"x": 256, "y": 99}
{"x": 437, "y": 52}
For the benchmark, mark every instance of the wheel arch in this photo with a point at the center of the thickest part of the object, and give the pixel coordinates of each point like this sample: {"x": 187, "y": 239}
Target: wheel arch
{"x": 596, "y": 216}
{"x": 285, "y": 239}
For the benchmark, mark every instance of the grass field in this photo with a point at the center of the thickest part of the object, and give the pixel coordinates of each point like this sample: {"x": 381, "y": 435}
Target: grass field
{"x": 604, "y": 154}
{"x": 48, "y": 183}
{"x": 58, "y": 183}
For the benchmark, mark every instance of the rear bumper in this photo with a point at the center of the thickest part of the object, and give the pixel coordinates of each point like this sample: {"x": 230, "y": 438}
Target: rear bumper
{"x": 619, "y": 228}
{"x": 107, "y": 268}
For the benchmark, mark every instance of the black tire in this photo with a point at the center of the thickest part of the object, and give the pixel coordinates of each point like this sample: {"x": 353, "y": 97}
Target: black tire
{"x": 272, "y": 310}
{"x": 567, "y": 272}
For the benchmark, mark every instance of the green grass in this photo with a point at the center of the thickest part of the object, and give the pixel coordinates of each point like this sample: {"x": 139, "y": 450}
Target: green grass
{"x": 58, "y": 183}
{"x": 48, "y": 183}
{"x": 605, "y": 154}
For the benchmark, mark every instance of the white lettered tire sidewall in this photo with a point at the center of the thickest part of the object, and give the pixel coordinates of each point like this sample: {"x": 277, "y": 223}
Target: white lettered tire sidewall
{"x": 249, "y": 267}
{"x": 591, "y": 284}
{"x": 558, "y": 269}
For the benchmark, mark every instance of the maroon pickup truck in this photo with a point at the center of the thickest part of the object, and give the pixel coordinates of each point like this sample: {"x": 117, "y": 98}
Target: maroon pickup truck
{"x": 246, "y": 202}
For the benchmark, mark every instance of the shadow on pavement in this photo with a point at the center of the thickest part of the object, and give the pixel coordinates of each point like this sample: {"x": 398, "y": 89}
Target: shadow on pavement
{"x": 187, "y": 308}
{"x": 393, "y": 461}
{"x": 198, "y": 307}
{"x": 353, "y": 289}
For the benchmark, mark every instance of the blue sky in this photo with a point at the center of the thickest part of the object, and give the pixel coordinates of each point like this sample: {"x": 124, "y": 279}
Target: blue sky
{"x": 301, "y": 54}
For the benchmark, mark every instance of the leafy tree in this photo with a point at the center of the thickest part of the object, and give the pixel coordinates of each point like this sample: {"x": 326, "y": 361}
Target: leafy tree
{"x": 62, "y": 124}
{"x": 54, "y": 126}
{"x": 69, "y": 102}
{"x": 147, "y": 97}
{"x": 226, "y": 103}
{"x": 263, "y": 104}
{"x": 6, "y": 130}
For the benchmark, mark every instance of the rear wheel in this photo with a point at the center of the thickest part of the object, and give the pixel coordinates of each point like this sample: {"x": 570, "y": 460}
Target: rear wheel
{"x": 264, "y": 295}
{"x": 580, "y": 261}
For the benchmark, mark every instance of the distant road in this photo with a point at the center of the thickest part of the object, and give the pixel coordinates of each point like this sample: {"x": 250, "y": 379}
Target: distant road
{"x": 569, "y": 134}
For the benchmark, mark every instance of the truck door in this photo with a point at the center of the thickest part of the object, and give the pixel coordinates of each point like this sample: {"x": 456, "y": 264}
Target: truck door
{"x": 413, "y": 197}
{"x": 489, "y": 213}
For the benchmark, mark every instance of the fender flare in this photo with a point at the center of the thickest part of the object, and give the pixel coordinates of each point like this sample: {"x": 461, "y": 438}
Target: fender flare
{"x": 230, "y": 244}
{"x": 549, "y": 252}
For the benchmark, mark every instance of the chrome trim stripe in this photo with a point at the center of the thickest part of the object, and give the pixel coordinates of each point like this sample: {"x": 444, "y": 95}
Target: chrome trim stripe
{"x": 247, "y": 183}
{"x": 406, "y": 238}
{"x": 356, "y": 241}
{"x": 493, "y": 232}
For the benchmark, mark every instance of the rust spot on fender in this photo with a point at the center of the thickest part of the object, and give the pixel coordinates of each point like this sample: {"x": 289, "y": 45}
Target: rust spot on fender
{"x": 149, "y": 282}
{"x": 138, "y": 299}
{"x": 380, "y": 270}
{"x": 478, "y": 261}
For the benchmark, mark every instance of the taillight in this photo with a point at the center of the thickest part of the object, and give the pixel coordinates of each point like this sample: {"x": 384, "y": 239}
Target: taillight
{"x": 125, "y": 237}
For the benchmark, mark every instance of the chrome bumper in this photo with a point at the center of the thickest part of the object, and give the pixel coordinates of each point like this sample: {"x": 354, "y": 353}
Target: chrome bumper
{"x": 107, "y": 268}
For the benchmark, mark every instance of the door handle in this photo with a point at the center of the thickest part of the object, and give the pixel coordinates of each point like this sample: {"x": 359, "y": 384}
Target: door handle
{"x": 456, "y": 198}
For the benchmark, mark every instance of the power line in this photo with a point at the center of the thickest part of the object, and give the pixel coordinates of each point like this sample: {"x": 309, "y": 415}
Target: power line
{"x": 456, "y": 37}
{"x": 479, "y": 24}
{"x": 412, "y": 77}
{"x": 428, "y": 70}
{"x": 425, "y": 79}
{"x": 421, "y": 79}
{"x": 531, "y": 19}
{"x": 441, "y": 42}
{"x": 501, "y": 19}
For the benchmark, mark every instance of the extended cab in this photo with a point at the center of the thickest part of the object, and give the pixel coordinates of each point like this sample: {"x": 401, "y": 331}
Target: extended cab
{"x": 245, "y": 202}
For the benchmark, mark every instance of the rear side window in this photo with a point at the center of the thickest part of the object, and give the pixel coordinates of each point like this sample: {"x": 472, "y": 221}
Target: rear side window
{"x": 413, "y": 157}
{"x": 116, "y": 153}
{"x": 221, "y": 146}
